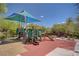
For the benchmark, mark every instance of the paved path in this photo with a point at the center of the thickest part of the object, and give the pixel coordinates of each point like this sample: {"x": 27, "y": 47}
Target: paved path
{"x": 61, "y": 52}
{"x": 76, "y": 48}
{"x": 47, "y": 46}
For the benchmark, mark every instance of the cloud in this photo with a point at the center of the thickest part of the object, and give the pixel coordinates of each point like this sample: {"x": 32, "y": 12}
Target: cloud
{"x": 42, "y": 16}
{"x": 61, "y": 23}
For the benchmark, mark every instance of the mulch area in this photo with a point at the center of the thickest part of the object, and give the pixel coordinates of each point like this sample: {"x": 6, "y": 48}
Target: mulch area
{"x": 47, "y": 46}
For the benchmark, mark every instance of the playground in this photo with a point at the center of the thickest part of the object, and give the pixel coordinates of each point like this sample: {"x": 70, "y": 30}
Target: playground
{"x": 22, "y": 34}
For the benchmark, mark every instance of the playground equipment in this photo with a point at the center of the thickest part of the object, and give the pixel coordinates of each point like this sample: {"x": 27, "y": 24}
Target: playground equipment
{"x": 29, "y": 35}
{"x": 24, "y": 17}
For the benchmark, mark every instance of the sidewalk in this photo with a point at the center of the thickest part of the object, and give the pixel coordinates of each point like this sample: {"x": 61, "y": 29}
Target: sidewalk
{"x": 76, "y": 49}
{"x": 61, "y": 52}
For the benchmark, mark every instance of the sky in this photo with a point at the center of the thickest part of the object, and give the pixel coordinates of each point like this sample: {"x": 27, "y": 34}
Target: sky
{"x": 49, "y": 13}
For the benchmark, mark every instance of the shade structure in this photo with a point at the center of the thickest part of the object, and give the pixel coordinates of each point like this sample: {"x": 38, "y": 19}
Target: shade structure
{"x": 23, "y": 16}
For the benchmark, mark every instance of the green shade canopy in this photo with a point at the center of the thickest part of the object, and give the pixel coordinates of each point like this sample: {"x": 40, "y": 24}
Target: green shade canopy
{"x": 23, "y": 16}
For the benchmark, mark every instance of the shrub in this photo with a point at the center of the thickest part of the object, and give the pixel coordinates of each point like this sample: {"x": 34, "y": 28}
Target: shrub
{"x": 2, "y": 36}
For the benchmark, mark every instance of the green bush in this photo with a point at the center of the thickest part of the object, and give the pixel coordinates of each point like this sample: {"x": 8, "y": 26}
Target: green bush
{"x": 2, "y": 36}
{"x": 76, "y": 35}
{"x": 12, "y": 32}
{"x": 9, "y": 27}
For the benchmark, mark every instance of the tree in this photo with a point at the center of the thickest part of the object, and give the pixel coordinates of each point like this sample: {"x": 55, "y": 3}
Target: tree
{"x": 77, "y": 24}
{"x": 3, "y": 9}
{"x": 59, "y": 27}
{"x": 77, "y": 7}
{"x": 67, "y": 28}
{"x": 77, "y": 21}
{"x": 70, "y": 25}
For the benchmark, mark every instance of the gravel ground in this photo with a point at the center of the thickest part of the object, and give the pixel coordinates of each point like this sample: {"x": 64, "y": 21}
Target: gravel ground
{"x": 12, "y": 49}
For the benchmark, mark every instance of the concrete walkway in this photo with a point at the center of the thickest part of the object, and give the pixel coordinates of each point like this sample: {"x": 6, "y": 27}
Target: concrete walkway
{"x": 61, "y": 52}
{"x": 76, "y": 49}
